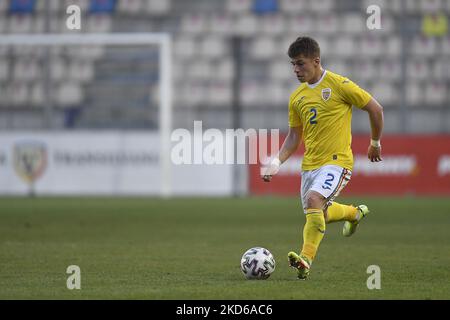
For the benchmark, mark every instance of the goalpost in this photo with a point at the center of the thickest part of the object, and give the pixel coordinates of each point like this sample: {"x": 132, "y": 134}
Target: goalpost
{"x": 164, "y": 43}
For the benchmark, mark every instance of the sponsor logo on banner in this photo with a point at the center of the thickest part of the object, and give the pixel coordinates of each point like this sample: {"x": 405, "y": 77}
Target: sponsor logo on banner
{"x": 30, "y": 160}
{"x": 391, "y": 166}
{"x": 402, "y": 165}
{"x": 444, "y": 165}
{"x": 405, "y": 169}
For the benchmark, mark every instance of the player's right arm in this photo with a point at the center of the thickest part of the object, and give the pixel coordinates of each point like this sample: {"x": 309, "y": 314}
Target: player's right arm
{"x": 290, "y": 145}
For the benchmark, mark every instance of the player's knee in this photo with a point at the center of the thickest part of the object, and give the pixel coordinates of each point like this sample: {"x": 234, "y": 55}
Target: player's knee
{"x": 315, "y": 200}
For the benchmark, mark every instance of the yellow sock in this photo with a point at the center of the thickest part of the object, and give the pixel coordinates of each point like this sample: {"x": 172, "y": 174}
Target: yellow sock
{"x": 313, "y": 232}
{"x": 341, "y": 212}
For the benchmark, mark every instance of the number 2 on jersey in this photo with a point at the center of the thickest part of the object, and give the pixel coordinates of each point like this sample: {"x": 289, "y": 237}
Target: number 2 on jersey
{"x": 313, "y": 120}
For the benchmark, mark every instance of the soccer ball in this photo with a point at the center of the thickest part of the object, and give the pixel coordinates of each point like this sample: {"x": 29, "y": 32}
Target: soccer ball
{"x": 257, "y": 263}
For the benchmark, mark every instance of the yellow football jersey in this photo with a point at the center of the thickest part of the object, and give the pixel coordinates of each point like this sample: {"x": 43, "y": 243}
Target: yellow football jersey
{"x": 324, "y": 110}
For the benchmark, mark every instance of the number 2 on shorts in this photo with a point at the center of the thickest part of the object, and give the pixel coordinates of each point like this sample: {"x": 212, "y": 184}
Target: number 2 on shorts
{"x": 327, "y": 184}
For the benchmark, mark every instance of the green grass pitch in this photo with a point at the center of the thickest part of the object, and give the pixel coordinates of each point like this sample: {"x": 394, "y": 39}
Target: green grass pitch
{"x": 138, "y": 248}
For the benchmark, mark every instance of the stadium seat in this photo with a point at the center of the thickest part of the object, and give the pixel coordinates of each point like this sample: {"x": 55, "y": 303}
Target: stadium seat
{"x": 390, "y": 70}
{"x": 326, "y": 45}
{"x": 20, "y": 23}
{"x": 388, "y": 25}
{"x": 440, "y": 70}
{"x": 412, "y": 7}
{"x": 352, "y": 23}
{"x": 363, "y": 70}
{"x": 386, "y": 6}
{"x": 57, "y": 69}
{"x": 3, "y": 101}
{"x": 220, "y": 93}
{"x": 69, "y": 94}
{"x": 435, "y": 94}
{"x": 427, "y": 6}
{"x": 102, "y": 6}
{"x": 17, "y": 93}
{"x": 54, "y": 6}
{"x": 185, "y": 47}
{"x": 194, "y": 23}
{"x": 4, "y": 70}
{"x": 129, "y": 6}
{"x": 262, "y": 48}
{"x": 199, "y": 70}
{"x": 277, "y": 93}
{"x": 323, "y": 6}
{"x": 393, "y": 46}
{"x": 26, "y": 70}
{"x": 445, "y": 46}
{"x": 301, "y": 24}
{"x": 238, "y": 6}
{"x": 83, "y": 4}
{"x": 251, "y": 93}
{"x": 417, "y": 69}
{"x": 446, "y": 6}
{"x": 385, "y": 92}
{"x": 213, "y": 47}
{"x": 371, "y": 46}
{"x": 21, "y": 6}
{"x": 88, "y": 52}
{"x": 424, "y": 121}
{"x": 194, "y": 94}
{"x": 285, "y": 42}
{"x": 99, "y": 23}
{"x": 56, "y": 25}
{"x": 38, "y": 24}
{"x": 327, "y": 24}
{"x": 22, "y": 51}
{"x": 344, "y": 46}
{"x": 423, "y": 47}
{"x": 293, "y": 6}
{"x": 396, "y": 6}
{"x": 338, "y": 66}
{"x": 224, "y": 69}
{"x": 280, "y": 70}
{"x": 245, "y": 25}
{"x": 265, "y": 6}
{"x": 37, "y": 94}
{"x": 4, "y": 5}
{"x": 274, "y": 24}
{"x": 81, "y": 71}
{"x": 220, "y": 23}
{"x": 4, "y": 51}
{"x": 414, "y": 93}
{"x": 3, "y": 24}
{"x": 158, "y": 7}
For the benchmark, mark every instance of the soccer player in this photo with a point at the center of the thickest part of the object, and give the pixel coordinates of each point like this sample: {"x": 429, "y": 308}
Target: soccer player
{"x": 320, "y": 113}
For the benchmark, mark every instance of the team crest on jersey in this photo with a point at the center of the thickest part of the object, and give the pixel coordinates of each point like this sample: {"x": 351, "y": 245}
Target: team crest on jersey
{"x": 326, "y": 94}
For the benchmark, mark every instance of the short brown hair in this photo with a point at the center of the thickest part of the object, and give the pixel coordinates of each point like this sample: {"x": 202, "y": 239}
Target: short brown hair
{"x": 305, "y": 46}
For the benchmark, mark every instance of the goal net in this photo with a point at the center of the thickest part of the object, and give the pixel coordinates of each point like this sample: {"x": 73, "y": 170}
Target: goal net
{"x": 85, "y": 114}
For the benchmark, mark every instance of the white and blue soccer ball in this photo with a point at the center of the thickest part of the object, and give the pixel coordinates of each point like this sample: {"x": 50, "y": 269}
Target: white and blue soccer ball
{"x": 257, "y": 263}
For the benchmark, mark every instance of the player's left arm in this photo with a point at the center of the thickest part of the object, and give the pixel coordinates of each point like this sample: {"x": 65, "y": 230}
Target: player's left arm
{"x": 375, "y": 111}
